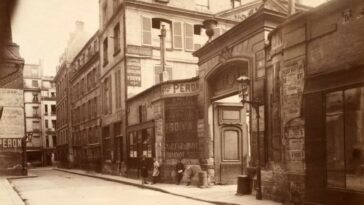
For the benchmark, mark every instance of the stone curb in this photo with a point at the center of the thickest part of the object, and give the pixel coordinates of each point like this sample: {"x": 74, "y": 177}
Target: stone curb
{"x": 144, "y": 187}
{"x": 21, "y": 200}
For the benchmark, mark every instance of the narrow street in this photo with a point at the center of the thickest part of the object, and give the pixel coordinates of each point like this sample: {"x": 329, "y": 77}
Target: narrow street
{"x": 54, "y": 187}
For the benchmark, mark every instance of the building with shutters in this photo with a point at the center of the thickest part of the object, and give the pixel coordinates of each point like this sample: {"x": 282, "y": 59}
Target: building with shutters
{"x": 131, "y": 57}
{"x": 40, "y": 115}
{"x": 85, "y": 106}
{"x": 76, "y": 41}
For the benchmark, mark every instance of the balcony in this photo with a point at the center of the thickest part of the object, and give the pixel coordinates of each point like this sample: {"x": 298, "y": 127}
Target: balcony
{"x": 50, "y": 131}
{"x": 36, "y": 130}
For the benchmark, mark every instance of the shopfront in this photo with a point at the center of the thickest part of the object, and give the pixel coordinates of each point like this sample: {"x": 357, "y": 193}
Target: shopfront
{"x": 334, "y": 111}
{"x": 140, "y": 143}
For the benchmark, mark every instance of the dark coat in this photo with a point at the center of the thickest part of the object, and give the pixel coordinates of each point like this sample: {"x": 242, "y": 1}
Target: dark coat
{"x": 180, "y": 166}
{"x": 144, "y": 168}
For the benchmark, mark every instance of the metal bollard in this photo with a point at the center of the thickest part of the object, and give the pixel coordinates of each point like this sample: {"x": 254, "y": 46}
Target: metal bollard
{"x": 202, "y": 176}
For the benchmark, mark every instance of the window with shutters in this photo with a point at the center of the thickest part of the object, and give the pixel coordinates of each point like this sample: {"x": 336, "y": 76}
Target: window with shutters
{"x": 158, "y": 73}
{"x": 188, "y": 37}
{"x": 157, "y": 24}
{"x": 177, "y": 35}
{"x": 146, "y": 31}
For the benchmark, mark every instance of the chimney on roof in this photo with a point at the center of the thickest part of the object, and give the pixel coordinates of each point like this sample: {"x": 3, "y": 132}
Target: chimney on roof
{"x": 291, "y": 7}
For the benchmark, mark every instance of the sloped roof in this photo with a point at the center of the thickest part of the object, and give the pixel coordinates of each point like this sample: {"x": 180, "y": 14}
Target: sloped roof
{"x": 244, "y": 11}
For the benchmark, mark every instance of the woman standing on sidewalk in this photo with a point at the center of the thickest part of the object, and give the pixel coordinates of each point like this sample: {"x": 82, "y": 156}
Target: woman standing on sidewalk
{"x": 144, "y": 170}
{"x": 155, "y": 171}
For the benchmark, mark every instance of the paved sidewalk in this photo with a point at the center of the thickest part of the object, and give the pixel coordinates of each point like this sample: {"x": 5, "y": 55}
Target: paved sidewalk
{"x": 218, "y": 194}
{"x": 8, "y": 195}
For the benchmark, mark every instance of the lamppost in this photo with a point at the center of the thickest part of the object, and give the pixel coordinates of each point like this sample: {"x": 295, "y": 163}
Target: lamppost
{"x": 162, "y": 36}
{"x": 25, "y": 139}
{"x": 244, "y": 83}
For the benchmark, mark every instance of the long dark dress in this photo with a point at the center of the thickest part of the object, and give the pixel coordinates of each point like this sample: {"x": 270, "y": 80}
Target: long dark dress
{"x": 144, "y": 168}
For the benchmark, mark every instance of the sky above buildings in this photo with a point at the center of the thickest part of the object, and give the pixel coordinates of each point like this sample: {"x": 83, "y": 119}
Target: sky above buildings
{"x": 41, "y": 27}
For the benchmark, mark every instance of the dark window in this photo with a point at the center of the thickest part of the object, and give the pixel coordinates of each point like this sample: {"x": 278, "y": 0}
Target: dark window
{"x": 105, "y": 52}
{"x": 157, "y": 25}
{"x": 54, "y": 125}
{"x": 116, "y": 39}
{"x": 53, "y": 109}
{"x": 35, "y": 98}
{"x": 46, "y": 124}
{"x": 54, "y": 139}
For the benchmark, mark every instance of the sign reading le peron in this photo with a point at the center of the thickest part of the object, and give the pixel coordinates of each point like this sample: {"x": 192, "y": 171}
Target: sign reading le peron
{"x": 10, "y": 143}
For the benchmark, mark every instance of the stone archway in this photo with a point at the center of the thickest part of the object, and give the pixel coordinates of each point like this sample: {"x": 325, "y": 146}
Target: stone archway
{"x": 227, "y": 121}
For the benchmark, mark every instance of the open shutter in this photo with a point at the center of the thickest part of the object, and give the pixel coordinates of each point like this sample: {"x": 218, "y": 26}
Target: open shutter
{"x": 188, "y": 37}
{"x": 177, "y": 35}
{"x": 146, "y": 31}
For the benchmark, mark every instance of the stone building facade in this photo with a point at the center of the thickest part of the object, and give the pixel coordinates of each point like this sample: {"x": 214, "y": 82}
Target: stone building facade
{"x": 40, "y": 114}
{"x": 131, "y": 63}
{"x": 85, "y": 106}
{"x": 77, "y": 40}
{"x": 12, "y": 126}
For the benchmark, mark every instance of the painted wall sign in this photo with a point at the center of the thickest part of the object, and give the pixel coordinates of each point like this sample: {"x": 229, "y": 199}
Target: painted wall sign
{"x": 181, "y": 127}
{"x": 133, "y": 72}
{"x": 182, "y": 150}
{"x": 11, "y": 113}
{"x": 10, "y": 143}
{"x": 180, "y": 88}
{"x": 139, "y": 50}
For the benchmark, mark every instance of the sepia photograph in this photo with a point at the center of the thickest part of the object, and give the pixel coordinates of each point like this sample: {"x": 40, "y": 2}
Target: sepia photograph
{"x": 181, "y": 102}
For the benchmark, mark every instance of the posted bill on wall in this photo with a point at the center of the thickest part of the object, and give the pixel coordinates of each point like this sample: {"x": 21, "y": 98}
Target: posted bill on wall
{"x": 11, "y": 113}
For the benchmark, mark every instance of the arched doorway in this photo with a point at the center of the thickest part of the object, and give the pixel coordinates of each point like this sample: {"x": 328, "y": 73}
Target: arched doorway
{"x": 228, "y": 121}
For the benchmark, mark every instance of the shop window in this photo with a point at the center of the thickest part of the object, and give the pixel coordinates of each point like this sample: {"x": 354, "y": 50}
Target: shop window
{"x": 345, "y": 139}
{"x": 133, "y": 139}
{"x": 147, "y": 135}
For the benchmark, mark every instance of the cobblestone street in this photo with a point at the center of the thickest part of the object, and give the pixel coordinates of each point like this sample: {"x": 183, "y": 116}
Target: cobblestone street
{"x": 54, "y": 187}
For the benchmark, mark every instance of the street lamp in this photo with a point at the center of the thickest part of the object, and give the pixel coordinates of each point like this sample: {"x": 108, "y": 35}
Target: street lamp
{"x": 244, "y": 83}
{"x": 25, "y": 139}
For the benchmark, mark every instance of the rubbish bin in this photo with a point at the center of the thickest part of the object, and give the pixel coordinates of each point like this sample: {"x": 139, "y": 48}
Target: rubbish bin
{"x": 243, "y": 185}
{"x": 202, "y": 176}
